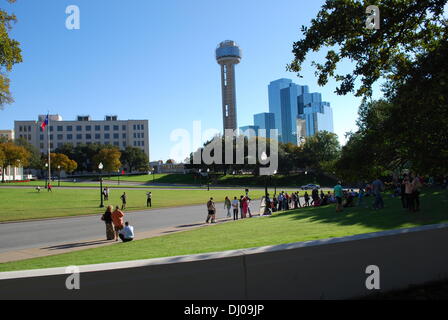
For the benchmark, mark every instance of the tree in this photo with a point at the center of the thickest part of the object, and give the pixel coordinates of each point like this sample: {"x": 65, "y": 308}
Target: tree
{"x": 14, "y": 156}
{"x": 409, "y": 28}
{"x": 35, "y": 160}
{"x": 135, "y": 159}
{"x": 10, "y": 54}
{"x": 322, "y": 149}
{"x": 109, "y": 157}
{"x": 62, "y": 161}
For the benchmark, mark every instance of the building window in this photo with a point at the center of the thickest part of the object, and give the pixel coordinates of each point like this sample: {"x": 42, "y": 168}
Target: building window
{"x": 88, "y": 128}
{"x": 41, "y": 145}
{"x": 97, "y": 136}
{"x": 69, "y": 137}
{"x": 88, "y": 136}
{"x": 51, "y": 137}
{"x": 135, "y": 127}
{"x": 124, "y": 144}
{"x": 59, "y": 144}
{"x": 60, "y": 137}
{"x": 116, "y": 144}
{"x": 79, "y": 136}
{"x": 20, "y": 129}
{"x": 78, "y": 128}
{"x": 97, "y": 128}
{"x": 143, "y": 143}
{"x": 60, "y": 129}
{"x": 124, "y": 135}
{"x": 51, "y": 128}
{"x": 116, "y": 136}
{"x": 29, "y": 128}
{"x": 69, "y": 128}
{"x": 123, "y": 127}
{"x": 116, "y": 128}
{"x": 41, "y": 138}
{"x": 106, "y": 136}
{"x": 106, "y": 128}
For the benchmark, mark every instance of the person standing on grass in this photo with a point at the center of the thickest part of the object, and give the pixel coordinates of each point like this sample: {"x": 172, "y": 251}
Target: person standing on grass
{"x": 149, "y": 199}
{"x": 228, "y": 206}
{"x": 339, "y": 194}
{"x": 306, "y": 197}
{"x": 404, "y": 200}
{"x": 124, "y": 199}
{"x": 107, "y": 218}
{"x": 117, "y": 220}
{"x": 245, "y": 206}
{"x": 377, "y": 188}
{"x": 211, "y": 211}
{"x": 127, "y": 233}
{"x": 241, "y": 207}
{"x": 417, "y": 185}
{"x": 235, "y": 205}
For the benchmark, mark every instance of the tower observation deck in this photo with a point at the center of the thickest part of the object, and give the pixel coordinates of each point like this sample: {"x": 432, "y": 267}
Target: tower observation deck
{"x": 228, "y": 54}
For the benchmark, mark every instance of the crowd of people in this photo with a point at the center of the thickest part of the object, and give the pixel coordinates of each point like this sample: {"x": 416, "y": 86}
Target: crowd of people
{"x": 116, "y": 228}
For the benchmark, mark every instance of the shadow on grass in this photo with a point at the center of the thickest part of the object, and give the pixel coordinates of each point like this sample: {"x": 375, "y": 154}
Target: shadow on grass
{"x": 77, "y": 245}
{"x": 433, "y": 210}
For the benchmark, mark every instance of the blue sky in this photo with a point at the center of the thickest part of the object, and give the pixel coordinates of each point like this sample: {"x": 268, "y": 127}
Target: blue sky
{"x": 154, "y": 59}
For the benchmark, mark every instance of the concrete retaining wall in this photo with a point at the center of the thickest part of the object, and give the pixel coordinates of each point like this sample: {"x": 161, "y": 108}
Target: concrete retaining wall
{"x": 324, "y": 269}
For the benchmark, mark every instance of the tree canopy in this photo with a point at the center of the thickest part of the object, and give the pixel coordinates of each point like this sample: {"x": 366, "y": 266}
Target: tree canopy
{"x": 408, "y": 30}
{"x": 10, "y": 54}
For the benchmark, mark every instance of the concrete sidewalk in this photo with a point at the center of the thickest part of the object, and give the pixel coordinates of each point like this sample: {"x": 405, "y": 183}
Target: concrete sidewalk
{"x": 45, "y": 251}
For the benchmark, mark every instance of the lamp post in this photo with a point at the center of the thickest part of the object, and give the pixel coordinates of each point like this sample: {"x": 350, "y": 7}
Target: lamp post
{"x": 119, "y": 172}
{"x": 46, "y": 180}
{"x": 100, "y": 167}
{"x": 153, "y": 173}
{"x": 264, "y": 157}
{"x": 208, "y": 180}
{"x": 59, "y": 176}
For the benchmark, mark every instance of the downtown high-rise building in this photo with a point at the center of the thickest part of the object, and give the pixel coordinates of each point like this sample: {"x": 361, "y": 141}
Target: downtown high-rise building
{"x": 298, "y": 113}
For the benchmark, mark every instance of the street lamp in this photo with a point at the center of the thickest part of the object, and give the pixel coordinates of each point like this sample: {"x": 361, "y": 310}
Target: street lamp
{"x": 59, "y": 176}
{"x": 119, "y": 171}
{"x": 153, "y": 173}
{"x": 264, "y": 158}
{"x": 100, "y": 167}
{"x": 208, "y": 180}
{"x": 46, "y": 180}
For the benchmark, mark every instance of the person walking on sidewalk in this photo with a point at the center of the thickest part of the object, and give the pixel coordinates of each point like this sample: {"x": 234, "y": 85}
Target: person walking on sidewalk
{"x": 211, "y": 211}
{"x": 228, "y": 206}
{"x": 235, "y": 205}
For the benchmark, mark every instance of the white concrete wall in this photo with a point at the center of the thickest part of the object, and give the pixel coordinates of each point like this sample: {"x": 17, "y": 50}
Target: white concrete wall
{"x": 323, "y": 269}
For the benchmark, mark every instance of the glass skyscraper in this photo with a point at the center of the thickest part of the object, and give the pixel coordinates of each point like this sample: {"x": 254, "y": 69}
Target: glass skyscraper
{"x": 290, "y": 102}
{"x": 265, "y": 121}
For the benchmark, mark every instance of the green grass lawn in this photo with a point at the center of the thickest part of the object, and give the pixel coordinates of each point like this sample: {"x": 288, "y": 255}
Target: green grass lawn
{"x": 293, "y": 180}
{"x": 287, "y": 227}
{"x": 23, "y": 204}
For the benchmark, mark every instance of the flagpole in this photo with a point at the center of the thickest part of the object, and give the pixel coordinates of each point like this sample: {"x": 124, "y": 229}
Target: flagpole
{"x": 49, "y": 152}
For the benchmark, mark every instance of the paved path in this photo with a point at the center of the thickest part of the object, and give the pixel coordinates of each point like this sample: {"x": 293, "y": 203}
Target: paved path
{"x": 51, "y": 233}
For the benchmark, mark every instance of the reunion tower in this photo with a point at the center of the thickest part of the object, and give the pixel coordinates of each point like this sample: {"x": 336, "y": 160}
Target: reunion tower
{"x": 228, "y": 54}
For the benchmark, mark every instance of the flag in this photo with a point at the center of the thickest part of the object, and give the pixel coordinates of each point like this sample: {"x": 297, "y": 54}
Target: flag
{"x": 45, "y": 123}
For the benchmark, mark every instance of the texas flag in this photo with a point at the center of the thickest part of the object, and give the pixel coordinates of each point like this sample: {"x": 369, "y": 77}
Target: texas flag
{"x": 44, "y": 124}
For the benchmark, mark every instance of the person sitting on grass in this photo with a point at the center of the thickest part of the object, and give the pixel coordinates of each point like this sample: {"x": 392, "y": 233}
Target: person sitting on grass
{"x": 127, "y": 233}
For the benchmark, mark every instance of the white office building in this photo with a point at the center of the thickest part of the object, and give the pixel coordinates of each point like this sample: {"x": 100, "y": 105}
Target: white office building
{"x": 84, "y": 130}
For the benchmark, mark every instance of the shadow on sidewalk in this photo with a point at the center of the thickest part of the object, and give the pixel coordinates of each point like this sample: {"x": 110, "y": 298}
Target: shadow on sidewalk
{"x": 77, "y": 245}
